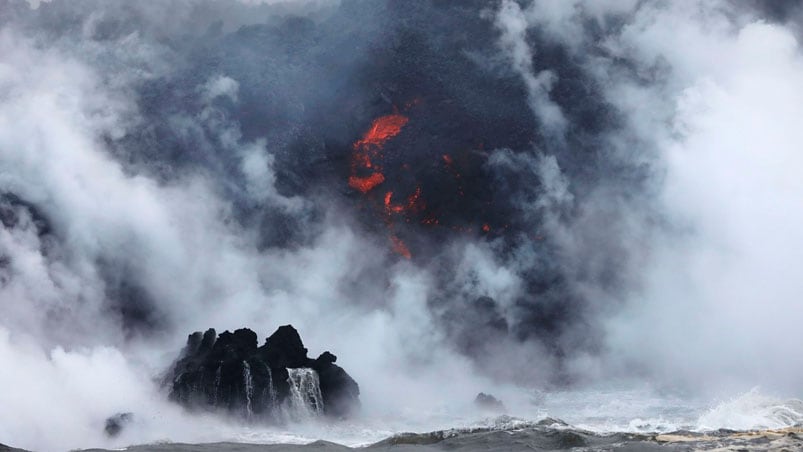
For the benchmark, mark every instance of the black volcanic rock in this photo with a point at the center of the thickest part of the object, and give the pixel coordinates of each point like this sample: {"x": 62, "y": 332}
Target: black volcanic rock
{"x": 230, "y": 372}
{"x": 4, "y": 448}
{"x": 284, "y": 347}
{"x": 115, "y": 424}
{"x": 489, "y": 403}
{"x": 339, "y": 390}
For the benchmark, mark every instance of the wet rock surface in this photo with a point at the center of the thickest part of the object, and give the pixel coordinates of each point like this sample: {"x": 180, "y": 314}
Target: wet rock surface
{"x": 273, "y": 382}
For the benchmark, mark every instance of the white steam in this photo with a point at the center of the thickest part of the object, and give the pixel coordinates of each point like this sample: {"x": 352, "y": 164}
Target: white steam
{"x": 722, "y": 292}
{"x": 512, "y": 22}
{"x": 713, "y": 97}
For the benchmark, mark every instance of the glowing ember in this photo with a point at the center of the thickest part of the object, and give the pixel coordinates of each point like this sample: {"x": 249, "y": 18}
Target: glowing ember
{"x": 361, "y": 160}
{"x": 414, "y": 202}
{"x": 389, "y": 206}
{"x": 399, "y": 247}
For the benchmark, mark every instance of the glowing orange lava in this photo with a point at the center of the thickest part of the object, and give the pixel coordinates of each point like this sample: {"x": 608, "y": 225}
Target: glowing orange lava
{"x": 366, "y": 184}
{"x": 368, "y": 171}
{"x": 368, "y": 148}
{"x": 382, "y": 129}
{"x": 414, "y": 203}
{"x": 389, "y": 206}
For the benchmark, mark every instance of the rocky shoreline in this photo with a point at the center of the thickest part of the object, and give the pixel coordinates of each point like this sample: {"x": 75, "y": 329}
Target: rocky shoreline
{"x": 545, "y": 435}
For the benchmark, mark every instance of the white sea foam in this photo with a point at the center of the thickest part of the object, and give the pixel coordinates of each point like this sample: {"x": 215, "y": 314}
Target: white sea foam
{"x": 598, "y": 411}
{"x": 753, "y": 410}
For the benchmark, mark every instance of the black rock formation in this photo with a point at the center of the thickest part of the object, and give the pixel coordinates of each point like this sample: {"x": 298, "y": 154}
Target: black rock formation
{"x": 273, "y": 382}
{"x": 489, "y": 403}
{"x": 4, "y": 448}
{"x": 115, "y": 424}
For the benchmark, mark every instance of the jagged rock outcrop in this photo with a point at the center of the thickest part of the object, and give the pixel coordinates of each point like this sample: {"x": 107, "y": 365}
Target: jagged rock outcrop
{"x": 115, "y": 424}
{"x": 488, "y": 402}
{"x": 274, "y": 382}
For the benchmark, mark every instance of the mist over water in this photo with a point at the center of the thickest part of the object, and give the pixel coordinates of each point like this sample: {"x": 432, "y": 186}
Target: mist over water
{"x": 600, "y": 202}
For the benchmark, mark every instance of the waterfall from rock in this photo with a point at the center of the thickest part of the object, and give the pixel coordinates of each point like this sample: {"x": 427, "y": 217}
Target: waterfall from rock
{"x": 305, "y": 398}
{"x": 249, "y": 389}
{"x": 269, "y": 395}
{"x": 217, "y": 383}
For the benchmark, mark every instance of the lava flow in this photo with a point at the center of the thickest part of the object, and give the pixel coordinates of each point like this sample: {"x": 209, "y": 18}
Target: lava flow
{"x": 414, "y": 203}
{"x": 366, "y": 184}
{"x": 366, "y": 170}
{"x": 366, "y": 173}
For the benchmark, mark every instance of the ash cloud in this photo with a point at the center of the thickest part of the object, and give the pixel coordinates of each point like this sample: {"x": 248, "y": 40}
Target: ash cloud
{"x": 606, "y": 189}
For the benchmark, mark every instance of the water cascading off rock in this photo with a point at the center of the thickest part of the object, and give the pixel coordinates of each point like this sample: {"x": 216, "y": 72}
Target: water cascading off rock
{"x": 306, "y": 399}
{"x": 274, "y": 382}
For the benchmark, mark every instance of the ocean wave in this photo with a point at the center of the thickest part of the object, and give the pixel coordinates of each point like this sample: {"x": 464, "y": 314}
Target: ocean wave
{"x": 753, "y": 411}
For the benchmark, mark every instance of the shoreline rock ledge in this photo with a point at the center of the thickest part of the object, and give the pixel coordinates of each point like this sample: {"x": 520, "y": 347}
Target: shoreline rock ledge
{"x": 275, "y": 382}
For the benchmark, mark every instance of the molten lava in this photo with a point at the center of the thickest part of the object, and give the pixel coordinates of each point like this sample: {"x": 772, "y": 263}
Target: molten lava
{"x": 382, "y": 129}
{"x": 368, "y": 172}
{"x": 368, "y": 148}
{"x": 389, "y": 206}
{"x": 366, "y": 184}
{"x": 414, "y": 203}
